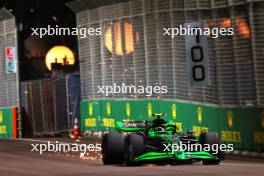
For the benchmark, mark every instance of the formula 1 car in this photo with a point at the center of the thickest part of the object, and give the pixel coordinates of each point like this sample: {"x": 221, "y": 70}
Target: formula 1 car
{"x": 156, "y": 141}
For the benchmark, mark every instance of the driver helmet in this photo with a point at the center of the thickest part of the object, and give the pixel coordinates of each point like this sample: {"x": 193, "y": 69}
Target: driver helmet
{"x": 160, "y": 130}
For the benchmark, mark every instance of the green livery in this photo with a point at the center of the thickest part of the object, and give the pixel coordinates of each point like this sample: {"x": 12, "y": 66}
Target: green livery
{"x": 158, "y": 141}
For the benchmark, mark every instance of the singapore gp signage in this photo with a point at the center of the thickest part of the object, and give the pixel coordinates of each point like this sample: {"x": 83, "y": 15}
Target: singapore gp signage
{"x": 197, "y": 55}
{"x": 10, "y": 58}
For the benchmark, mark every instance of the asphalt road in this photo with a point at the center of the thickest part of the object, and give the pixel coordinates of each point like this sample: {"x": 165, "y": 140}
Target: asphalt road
{"x": 17, "y": 159}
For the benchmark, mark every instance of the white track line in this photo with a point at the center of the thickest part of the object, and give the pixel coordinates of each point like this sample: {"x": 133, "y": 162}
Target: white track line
{"x": 242, "y": 164}
{"x": 45, "y": 141}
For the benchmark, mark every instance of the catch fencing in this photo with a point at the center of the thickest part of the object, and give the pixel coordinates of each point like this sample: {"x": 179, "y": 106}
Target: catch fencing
{"x": 133, "y": 50}
{"x": 48, "y": 105}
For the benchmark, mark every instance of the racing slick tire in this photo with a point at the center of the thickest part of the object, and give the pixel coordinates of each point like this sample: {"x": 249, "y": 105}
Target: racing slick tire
{"x": 134, "y": 147}
{"x": 113, "y": 149}
{"x": 210, "y": 138}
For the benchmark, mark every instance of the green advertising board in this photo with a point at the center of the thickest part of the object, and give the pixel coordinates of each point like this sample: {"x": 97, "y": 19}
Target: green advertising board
{"x": 7, "y": 123}
{"x": 244, "y": 127}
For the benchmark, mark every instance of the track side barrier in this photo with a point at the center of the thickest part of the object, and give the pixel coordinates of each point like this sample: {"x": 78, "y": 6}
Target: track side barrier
{"x": 242, "y": 126}
{"x": 8, "y": 122}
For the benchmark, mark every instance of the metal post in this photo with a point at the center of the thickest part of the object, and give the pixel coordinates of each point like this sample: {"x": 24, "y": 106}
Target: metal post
{"x": 68, "y": 104}
{"x": 19, "y": 112}
{"x": 45, "y": 126}
{"x": 54, "y": 104}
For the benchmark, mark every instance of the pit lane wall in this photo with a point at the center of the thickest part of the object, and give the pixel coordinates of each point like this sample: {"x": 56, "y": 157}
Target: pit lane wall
{"x": 8, "y": 124}
{"x": 242, "y": 126}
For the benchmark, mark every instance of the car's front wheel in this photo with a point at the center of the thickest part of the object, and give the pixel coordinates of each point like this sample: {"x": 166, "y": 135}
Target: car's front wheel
{"x": 134, "y": 147}
{"x": 113, "y": 149}
{"x": 211, "y": 138}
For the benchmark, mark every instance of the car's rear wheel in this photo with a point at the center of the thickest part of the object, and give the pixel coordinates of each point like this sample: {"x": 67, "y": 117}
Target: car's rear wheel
{"x": 134, "y": 147}
{"x": 113, "y": 149}
{"x": 211, "y": 138}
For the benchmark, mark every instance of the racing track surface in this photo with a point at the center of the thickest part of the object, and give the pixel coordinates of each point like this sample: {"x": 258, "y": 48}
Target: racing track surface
{"x": 16, "y": 159}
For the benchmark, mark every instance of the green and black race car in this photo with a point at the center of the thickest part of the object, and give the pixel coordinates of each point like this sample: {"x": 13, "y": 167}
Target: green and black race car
{"x": 157, "y": 141}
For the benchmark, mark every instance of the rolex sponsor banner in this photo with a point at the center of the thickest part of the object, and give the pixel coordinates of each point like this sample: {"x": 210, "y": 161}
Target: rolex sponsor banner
{"x": 196, "y": 45}
{"x": 10, "y": 55}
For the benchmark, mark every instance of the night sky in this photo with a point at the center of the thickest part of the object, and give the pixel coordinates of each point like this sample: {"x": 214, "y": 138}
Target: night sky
{"x": 39, "y": 13}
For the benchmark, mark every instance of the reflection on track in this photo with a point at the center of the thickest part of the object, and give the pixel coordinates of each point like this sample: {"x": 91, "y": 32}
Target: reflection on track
{"x": 16, "y": 159}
